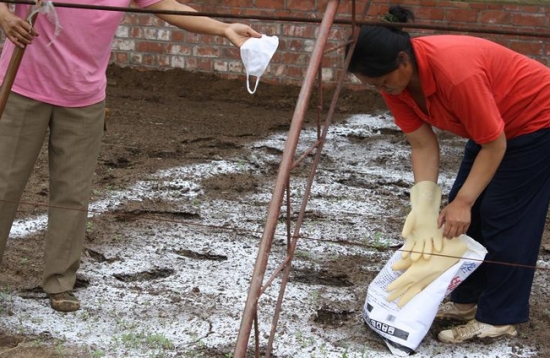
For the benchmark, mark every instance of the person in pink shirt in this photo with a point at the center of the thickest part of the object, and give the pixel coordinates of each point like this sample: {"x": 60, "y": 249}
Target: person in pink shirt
{"x": 59, "y": 91}
{"x": 499, "y": 100}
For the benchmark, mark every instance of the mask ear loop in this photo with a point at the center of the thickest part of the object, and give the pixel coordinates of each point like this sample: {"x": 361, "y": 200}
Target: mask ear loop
{"x": 48, "y": 9}
{"x": 35, "y": 10}
{"x": 248, "y": 84}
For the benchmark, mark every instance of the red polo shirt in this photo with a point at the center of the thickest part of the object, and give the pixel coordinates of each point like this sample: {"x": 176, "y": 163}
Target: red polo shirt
{"x": 475, "y": 88}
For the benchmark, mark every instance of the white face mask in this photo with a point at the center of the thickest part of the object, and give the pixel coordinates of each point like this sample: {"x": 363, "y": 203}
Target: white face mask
{"x": 256, "y": 54}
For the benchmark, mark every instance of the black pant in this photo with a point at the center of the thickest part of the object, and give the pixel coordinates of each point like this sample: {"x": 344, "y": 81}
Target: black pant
{"x": 508, "y": 219}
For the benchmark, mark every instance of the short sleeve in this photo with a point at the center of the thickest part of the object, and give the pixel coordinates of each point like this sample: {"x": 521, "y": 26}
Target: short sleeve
{"x": 404, "y": 115}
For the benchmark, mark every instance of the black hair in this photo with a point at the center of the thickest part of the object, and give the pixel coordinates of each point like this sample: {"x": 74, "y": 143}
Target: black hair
{"x": 377, "y": 48}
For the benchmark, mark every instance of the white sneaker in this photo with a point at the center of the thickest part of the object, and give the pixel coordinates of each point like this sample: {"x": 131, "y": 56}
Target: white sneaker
{"x": 475, "y": 329}
{"x": 449, "y": 311}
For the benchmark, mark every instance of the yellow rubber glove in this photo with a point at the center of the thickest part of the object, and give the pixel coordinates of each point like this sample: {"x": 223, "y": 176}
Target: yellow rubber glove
{"x": 419, "y": 274}
{"x": 422, "y": 236}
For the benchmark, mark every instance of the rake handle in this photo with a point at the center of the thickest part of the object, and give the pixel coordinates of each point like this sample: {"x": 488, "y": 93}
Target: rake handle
{"x": 13, "y": 66}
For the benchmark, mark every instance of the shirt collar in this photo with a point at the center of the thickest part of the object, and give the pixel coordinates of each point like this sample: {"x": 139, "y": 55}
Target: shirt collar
{"x": 424, "y": 70}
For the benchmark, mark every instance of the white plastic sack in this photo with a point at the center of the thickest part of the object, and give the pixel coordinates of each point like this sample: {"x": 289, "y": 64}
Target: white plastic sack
{"x": 403, "y": 329}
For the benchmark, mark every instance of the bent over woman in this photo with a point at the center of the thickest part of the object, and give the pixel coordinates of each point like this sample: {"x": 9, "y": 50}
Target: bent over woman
{"x": 500, "y": 101}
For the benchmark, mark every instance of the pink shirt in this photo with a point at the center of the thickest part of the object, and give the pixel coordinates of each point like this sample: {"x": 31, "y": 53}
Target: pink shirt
{"x": 70, "y": 72}
{"x": 476, "y": 89}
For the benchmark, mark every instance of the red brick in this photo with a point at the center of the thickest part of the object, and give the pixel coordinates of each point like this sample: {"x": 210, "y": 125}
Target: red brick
{"x": 282, "y": 44}
{"x": 178, "y": 36}
{"x": 527, "y": 48}
{"x": 296, "y": 71}
{"x": 421, "y": 3}
{"x": 203, "y": 51}
{"x": 495, "y": 17}
{"x": 328, "y": 62}
{"x": 135, "y": 58}
{"x": 149, "y": 60}
{"x": 204, "y": 64}
{"x": 120, "y": 57}
{"x": 270, "y": 4}
{"x": 163, "y": 60}
{"x": 375, "y": 11}
{"x": 193, "y": 38}
{"x": 268, "y": 29}
{"x": 295, "y": 30}
{"x": 150, "y": 47}
{"x": 191, "y": 63}
{"x": 481, "y": 6}
{"x": 294, "y": 58}
{"x": 230, "y": 52}
{"x": 490, "y": 6}
{"x": 136, "y": 32}
{"x": 150, "y": 33}
{"x": 502, "y": 40}
{"x": 345, "y": 8}
{"x": 429, "y": 13}
{"x": 512, "y": 7}
{"x": 459, "y": 15}
{"x": 322, "y": 6}
{"x": 179, "y": 49}
{"x": 455, "y": 4}
{"x": 148, "y": 20}
{"x": 300, "y": 5}
{"x": 534, "y": 9}
{"x": 528, "y": 19}
{"x": 295, "y": 45}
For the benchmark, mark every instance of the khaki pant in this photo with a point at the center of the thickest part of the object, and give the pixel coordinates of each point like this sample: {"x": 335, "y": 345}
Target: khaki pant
{"x": 73, "y": 146}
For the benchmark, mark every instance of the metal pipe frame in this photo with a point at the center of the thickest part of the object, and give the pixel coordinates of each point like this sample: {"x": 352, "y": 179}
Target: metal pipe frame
{"x": 283, "y": 183}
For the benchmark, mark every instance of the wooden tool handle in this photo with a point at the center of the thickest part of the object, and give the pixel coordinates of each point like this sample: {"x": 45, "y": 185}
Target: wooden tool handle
{"x": 13, "y": 66}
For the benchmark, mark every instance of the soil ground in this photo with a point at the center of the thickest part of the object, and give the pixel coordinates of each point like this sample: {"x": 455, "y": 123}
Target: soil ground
{"x": 166, "y": 119}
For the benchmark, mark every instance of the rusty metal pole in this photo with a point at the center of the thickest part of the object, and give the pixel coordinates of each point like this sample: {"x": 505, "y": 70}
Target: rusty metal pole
{"x": 13, "y": 66}
{"x": 282, "y": 177}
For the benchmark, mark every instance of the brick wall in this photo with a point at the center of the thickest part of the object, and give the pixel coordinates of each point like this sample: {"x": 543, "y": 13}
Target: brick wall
{"x": 144, "y": 41}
